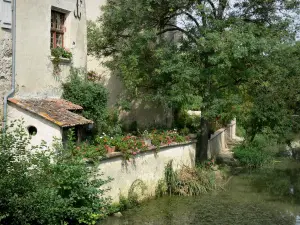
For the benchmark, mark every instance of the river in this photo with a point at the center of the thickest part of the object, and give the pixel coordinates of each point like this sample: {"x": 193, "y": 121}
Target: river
{"x": 269, "y": 196}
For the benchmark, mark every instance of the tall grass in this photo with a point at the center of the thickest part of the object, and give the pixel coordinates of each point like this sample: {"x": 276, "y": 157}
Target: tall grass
{"x": 186, "y": 182}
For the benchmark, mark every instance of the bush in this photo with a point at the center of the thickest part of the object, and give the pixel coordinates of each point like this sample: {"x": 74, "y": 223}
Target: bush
{"x": 252, "y": 155}
{"x": 186, "y": 182}
{"x": 39, "y": 186}
{"x": 183, "y": 121}
{"x": 91, "y": 96}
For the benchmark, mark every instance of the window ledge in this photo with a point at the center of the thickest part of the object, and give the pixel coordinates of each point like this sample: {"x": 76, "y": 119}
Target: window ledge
{"x": 62, "y": 60}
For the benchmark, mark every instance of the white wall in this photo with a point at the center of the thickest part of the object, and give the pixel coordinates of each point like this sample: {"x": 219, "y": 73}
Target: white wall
{"x": 34, "y": 67}
{"x": 146, "y": 166}
{"x": 149, "y": 167}
{"x": 46, "y": 130}
{"x": 5, "y": 64}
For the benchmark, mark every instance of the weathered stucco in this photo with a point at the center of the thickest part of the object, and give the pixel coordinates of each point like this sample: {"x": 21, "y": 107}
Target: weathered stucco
{"x": 148, "y": 167}
{"x": 34, "y": 67}
{"x": 5, "y": 65}
{"x": 46, "y": 130}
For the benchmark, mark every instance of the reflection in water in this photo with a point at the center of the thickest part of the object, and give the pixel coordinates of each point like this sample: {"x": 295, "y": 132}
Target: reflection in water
{"x": 269, "y": 196}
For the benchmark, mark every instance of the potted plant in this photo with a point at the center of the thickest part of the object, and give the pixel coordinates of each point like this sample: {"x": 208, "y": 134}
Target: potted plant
{"x": 146, "y": 138}
{"x": 107, "y": 142}
{"x": 110, "y": 149}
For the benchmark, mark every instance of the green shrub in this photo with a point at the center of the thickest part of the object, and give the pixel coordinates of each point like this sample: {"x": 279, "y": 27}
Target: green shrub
{"x": 91, "y": 96}
{"x": 188, "y": 122}
{"x": 39, "y": 186}
{"x": 61, "y": 52}
{"x": 252, "y": 155}
{"x": 186, "y": 182}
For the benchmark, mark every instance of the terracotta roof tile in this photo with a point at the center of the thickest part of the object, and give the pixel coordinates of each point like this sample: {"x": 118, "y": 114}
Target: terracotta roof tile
{"x": 55, "y": 110}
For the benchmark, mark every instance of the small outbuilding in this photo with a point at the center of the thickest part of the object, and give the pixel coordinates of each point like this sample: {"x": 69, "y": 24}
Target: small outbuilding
{"x": 46, "y": 119}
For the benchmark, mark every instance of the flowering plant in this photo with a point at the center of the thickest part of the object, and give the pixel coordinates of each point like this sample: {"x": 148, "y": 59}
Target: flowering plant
{"x": 89, "y": 151}
{"x": 105, "y": 140}
{"x": 61, "y": 52}
{"x": 130, "y": 145}
{"x": 57, "y": 53}
{"x": 166, "y": 137}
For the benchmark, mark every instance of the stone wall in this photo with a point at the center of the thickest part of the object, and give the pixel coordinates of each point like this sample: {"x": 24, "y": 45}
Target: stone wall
{"x": 5, "y": 65}
{"x": 147, "y": 167}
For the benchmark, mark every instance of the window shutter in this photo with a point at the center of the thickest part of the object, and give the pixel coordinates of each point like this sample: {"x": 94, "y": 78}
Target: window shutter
{"x": 6, "y": 13}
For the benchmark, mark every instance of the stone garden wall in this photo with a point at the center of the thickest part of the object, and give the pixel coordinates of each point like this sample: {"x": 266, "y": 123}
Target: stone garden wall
{"x": 5, "y": 65}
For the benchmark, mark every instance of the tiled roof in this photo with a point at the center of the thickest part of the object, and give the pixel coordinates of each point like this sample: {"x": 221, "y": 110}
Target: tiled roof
{"x": 55, "y": 110}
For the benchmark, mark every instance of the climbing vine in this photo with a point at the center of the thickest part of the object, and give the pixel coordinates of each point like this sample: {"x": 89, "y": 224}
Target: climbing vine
{"x": 59, "y": 53}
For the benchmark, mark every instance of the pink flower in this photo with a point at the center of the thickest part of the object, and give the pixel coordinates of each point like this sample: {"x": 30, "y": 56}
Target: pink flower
{"x": 134, "y": 153}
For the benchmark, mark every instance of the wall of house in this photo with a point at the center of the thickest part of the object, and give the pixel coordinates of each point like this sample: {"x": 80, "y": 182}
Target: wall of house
{"x": 34, "y": 68}
{"x": 148, "y": 167}
{"x": 46, "y": 130}
{"x": 5, "y": 65}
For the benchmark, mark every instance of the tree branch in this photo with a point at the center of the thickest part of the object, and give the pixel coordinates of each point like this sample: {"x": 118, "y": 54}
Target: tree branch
{"x": 221, "y": 8}
{"x": 213, "y": 7}
{"x": 193, "y": 19}
{"x": 176, "y": 28}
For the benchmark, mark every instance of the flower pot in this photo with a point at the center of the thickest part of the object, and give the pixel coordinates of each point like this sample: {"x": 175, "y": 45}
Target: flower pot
{"x": 110, "y": 149}
{"x": 147, "y": 142}
{"x": 192, "y": 136}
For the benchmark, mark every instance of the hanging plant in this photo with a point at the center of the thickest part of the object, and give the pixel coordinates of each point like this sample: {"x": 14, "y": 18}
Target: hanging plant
{"x": 58, "y": 53}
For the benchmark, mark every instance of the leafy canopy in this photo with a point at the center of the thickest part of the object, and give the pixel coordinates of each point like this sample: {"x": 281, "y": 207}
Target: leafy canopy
{"x": 216, "y": 52}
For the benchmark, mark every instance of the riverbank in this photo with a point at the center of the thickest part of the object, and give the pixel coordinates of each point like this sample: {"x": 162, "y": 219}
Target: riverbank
{"x": 245, "y": 200}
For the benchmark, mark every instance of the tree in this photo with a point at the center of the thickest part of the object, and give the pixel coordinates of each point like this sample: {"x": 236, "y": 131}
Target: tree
{"x": 223, "y": 46}
{"x": 272, "y": 100}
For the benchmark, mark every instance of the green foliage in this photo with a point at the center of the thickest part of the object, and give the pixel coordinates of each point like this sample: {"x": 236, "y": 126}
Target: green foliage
{"x": 272, "y": 100}
{"x": 90, "y": 151}
{"x": 187, "y": 182}
{"x": 47, "y": 186}
{"x": 253, "y": 155}
{"x": 91, "y": 96}
{"x": 241, "y": 55}
{"x": 59, "y": 53}
{"x": 166, "y": 138}
{"x": 187, "y": 122}
{"x": 135, "y": 192}
{"x": 128, "y": 145}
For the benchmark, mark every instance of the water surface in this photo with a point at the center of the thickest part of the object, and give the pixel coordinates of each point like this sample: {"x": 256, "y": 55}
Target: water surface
{"x": 246, "y": 200}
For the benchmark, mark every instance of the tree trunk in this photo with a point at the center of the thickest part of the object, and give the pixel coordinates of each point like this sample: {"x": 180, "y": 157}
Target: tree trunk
{"x": 202, "y": 141}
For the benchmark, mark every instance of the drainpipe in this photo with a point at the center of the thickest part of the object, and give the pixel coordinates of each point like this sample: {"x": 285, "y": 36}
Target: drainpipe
{"x": 13, "y": 77}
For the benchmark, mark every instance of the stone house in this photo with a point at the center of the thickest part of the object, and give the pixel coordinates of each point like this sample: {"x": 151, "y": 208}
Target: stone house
{"x": 29, "y": 88}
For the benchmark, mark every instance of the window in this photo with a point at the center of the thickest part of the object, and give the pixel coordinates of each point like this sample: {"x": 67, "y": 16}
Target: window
{"x": 57, "y": 29}
{"x": 5, "y": 14}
